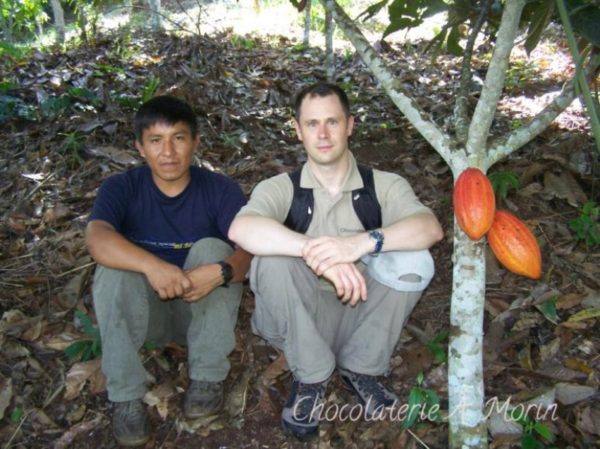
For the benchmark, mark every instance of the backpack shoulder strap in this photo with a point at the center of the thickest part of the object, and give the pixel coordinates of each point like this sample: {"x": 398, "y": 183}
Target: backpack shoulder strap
{"x": 365, "y": 202}
{"x": 301, "y": 210}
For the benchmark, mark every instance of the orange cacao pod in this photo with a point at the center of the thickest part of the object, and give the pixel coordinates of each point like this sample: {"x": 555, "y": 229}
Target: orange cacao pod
{"x": 515, "y": 246}
{"x": 474, "y": 203}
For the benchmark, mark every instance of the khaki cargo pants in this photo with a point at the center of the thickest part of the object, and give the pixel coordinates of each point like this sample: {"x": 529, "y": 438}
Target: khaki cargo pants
{"x": 315, "y": 330}
{"x": 129, "y": 312}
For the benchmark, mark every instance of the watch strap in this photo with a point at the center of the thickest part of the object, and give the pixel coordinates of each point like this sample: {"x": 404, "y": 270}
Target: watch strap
{"x": 226, "y": 272}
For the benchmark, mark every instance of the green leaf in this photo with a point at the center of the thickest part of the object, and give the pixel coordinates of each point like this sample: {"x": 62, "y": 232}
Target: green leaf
{"x": 86, "y": 322}
{"x": 16, "y": 414}
{"x": 439, "y": 354}
{"x": 528, "y": 441}
{"x": 453, "y": 42}
{"x": 503, "y": 181}
{"x": 585, "y": 314}
{"x": 76, "y": 348}
{"x": 585, "y": 17}
{"x": 542, "y": 15}
{"x": 415, "y": 399}
{"x": 548, "y": 309}
{"x": 544, "y": 431}
{"x": 372, "y": 10}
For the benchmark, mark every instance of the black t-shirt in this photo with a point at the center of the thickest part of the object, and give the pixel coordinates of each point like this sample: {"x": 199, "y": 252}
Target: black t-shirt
{"x": 168, "y": 226}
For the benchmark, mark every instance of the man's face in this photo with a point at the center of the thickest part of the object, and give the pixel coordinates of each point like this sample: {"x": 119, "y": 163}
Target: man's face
{"x": 168, "y": 150}
{"x": 324, "y": 129}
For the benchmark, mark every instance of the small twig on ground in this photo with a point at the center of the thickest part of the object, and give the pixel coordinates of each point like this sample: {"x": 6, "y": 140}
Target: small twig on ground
{"x": 89, "y": 264}
{"x": 39, "y": 186}
{"x": 12, "y": 437}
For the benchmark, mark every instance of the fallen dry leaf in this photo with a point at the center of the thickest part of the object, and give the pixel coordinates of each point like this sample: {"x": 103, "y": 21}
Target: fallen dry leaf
{"x": 159, "y": 397}
{"x": 6, "y": 392}
{"x": 82, "y": 372}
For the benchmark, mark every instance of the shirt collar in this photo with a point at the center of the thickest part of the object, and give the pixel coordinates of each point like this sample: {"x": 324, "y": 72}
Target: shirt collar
{"x": 352, "y": 182}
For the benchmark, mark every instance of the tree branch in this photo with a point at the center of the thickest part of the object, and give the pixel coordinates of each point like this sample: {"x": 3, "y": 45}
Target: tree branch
{"x": 415, "y": 115}
{"x": 494, "y": 82}
{"x": 329, "y": 55}
{"x": 501, "y": 148}
{"x": 461, "y": 112}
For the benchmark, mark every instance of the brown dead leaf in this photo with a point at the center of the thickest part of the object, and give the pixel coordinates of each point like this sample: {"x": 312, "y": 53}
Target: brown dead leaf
{"x": 558, "y": 372}
{"x": 40, "y": 421}
{"x": 568, "y": 394}
{"x": 61, "y": 341}
{"x": 6, "y": 392}
{"x": 570, "y": 300}
{"x": 547, "y": 352}
{"x": 236, "y": 399}
{"x": 56, "y": 213}
{"x": 82, "y": 372}
{"x": 34, "y": 332}
{"x": 579, "y": 365}
{"x": 115, "y": 154}
{"x": 76, "y": 415}
{"x": 159, "y": 397}
{"x": 72, "y": 291}
{"x": 589, "y": 420}
{"x": 274, "y": 370}
{"x": 86, "y": 427}
{"x": 564, "y": 187}
{"x": 15, "y": 323}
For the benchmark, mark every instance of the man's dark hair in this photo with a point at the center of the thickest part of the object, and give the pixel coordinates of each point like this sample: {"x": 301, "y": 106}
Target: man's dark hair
{"x": 164, "y": 109}
{"x": 321, "y": 89}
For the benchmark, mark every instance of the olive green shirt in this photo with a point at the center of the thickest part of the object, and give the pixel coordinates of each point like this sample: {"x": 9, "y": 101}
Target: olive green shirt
{"x": 334, "y": 216}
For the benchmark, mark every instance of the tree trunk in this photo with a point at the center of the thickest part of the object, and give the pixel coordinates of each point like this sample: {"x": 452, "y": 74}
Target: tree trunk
{"x": 465, "y": 362}
{"x": 306, "y": 41}
{"x": 59, "y": 20}
{"x": 329, "y": 58}
{"x": 155, "y": 15}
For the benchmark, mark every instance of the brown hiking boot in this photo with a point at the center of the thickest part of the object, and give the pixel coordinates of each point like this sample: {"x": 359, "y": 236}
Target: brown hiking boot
{"x": 130, "y": 423}
{"x": 202, "y": 398}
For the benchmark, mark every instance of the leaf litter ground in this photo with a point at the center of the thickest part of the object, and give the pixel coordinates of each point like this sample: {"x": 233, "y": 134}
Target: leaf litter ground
{"x": 74, "y": 130}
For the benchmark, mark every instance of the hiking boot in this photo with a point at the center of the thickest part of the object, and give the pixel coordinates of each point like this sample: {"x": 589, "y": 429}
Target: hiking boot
{"x": 373, "y": 395}
{"x": 202, "y": 398}
{"x": 300, "y": 414}
{"x": 130, "y": 423}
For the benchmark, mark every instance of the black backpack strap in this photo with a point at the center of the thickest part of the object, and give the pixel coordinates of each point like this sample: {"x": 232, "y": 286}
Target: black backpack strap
{"x": 365, "y": 201}
{"x": 303, "y": 203}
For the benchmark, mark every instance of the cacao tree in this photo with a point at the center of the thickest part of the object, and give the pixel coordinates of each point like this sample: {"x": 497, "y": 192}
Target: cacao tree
{"x": 468, "y": 144}
{"x": 59, "y": 20}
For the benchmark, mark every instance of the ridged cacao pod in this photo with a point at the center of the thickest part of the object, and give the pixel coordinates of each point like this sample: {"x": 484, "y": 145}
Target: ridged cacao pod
{"x": 474, "y": 203}
{"x": 515, "y": 246}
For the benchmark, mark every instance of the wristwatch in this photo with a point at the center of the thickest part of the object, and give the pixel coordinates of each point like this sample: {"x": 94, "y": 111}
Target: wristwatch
{"x": 226, "y": 272}
{"x": 376, "y": 235}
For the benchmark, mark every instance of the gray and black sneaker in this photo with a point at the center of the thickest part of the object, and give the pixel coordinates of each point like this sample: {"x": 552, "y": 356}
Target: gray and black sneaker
{"x": 202, "y": 398}
{"x": 300, "y": 415}
{"x": 130, "y": 423}
{"x": 373, "y": 395}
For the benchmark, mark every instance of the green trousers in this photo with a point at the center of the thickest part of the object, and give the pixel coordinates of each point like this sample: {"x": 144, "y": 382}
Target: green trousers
{"x": 129, "y": 312}
{"x": 315, "y": 330}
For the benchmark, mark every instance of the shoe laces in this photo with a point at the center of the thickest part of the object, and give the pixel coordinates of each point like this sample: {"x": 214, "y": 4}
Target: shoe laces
{"x": 131, "y": 411}
{"x": 372, "y": 388}
{"x": 201, "y": 386}
{"x": 313, "y": 391}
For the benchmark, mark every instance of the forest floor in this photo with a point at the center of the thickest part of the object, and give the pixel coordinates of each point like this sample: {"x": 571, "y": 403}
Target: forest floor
{"x": 66, "y": 126}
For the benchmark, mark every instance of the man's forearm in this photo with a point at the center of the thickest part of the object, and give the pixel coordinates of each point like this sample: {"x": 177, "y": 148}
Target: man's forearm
{"x": 266, "y": 237}
{"x": 111, "y": 249}
{"x": 419, "y": 231}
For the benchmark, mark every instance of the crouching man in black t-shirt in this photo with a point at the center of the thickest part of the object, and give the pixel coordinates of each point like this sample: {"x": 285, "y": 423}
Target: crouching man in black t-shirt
{"x": 166, "y": 270}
